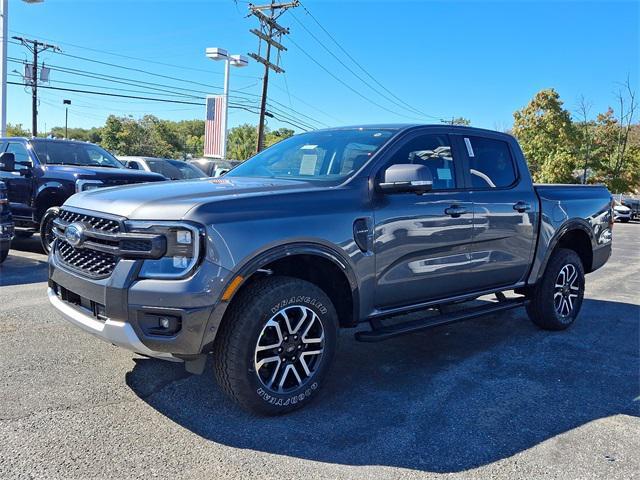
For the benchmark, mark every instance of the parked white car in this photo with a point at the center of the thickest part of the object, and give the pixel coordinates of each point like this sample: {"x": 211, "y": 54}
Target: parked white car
{"x": 171, "y": 169}
{"x": 621, "y": 213}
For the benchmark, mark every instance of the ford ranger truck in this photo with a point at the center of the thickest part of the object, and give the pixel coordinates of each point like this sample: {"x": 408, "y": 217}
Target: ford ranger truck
{"x": 41, "y": 173}
{"x": 323, "y": 231}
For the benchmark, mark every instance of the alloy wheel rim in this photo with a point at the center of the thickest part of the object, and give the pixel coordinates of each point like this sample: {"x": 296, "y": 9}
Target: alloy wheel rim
{"x": 289, "y": 349}
{"x": 566, "y": 290}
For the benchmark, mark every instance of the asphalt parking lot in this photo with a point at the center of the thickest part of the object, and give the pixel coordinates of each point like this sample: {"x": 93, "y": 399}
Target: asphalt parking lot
{"x": 494, "y": 397}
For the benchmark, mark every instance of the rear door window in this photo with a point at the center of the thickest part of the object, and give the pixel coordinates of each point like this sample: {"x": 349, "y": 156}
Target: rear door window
{"x": 490, "y": 163}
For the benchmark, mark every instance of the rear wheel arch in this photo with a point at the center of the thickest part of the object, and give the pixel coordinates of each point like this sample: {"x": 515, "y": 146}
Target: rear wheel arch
{"x": 575, "y": 235}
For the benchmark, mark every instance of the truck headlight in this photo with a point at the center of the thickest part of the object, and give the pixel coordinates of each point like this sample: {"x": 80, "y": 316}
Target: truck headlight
{"x": 184, "y": 247}
{"x": 85, "y": 185}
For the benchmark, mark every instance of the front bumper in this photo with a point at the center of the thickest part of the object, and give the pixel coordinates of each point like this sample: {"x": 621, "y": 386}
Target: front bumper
{"x": 116, "y": 309}
{"x": 118, "y": 333}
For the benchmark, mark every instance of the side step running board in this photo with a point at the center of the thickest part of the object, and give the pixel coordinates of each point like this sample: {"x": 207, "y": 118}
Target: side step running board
{"x": 380, "y": 332}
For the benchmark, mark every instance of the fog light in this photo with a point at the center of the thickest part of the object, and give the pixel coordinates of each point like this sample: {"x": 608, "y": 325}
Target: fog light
{"x": 164, "y": 322}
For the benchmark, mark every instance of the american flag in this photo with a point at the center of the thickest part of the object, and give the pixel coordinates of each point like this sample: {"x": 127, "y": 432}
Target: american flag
{"x": 213, "y": 134}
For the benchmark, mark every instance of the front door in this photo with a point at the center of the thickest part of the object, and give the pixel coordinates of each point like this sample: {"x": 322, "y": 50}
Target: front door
{"x": 421, "y": 242}
{"x": 19, "y": 182}
{"x": 505, "y": 213}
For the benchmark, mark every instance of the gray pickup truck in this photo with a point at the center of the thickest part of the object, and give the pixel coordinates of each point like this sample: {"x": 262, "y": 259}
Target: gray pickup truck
{"x": 325, "y": 230}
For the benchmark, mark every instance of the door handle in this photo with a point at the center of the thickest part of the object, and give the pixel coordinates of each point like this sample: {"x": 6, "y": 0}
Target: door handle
{"x": 455, "y": 211}
{"x": 521, "y": 207}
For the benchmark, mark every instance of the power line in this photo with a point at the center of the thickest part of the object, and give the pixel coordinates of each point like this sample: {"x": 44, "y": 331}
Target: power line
{"x": 361, "y": 67}
{"x": 92, "y": 92}
{"x": 359, "y": 77}
{"x": 344, "y": 83}
{"x": 154, "y": 86}
{"x": 139, "y": 59}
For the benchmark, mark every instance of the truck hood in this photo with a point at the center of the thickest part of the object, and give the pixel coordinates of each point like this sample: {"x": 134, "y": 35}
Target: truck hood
{"x": 172, "y": 200}
{"x": 109, "y": 176}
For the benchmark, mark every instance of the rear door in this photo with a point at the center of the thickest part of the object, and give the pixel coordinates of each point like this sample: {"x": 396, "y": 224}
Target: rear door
{"x": 504, "y": 212}
{"x": 421, "y": 242}
{"x": 19, "y": 182}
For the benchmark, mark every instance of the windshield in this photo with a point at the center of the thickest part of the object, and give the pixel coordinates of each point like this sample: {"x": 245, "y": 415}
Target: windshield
{"x": 324, "y": 155}
{"x": 175, "y": 169}
{"x": 72, "y": 153}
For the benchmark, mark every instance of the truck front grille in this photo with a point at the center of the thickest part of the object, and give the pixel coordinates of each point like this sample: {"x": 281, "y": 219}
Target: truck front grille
{"x": 97, "y": 223}
{"x": 103, "y": 242}
{"x": 90, "y": 262}
{"x": 87, "y": 261}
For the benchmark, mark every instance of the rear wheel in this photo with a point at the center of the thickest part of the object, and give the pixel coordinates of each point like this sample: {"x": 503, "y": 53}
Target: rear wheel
{"x": 276, "y": 345}
{"x": 46, "y": 228}
{"x": 555, "y": 302}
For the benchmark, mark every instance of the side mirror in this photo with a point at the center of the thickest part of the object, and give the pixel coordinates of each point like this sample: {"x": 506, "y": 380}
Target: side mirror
{"x": 133, "y": 166}
{"x": 401, "y": 178}
{"x": 7, "y": 162}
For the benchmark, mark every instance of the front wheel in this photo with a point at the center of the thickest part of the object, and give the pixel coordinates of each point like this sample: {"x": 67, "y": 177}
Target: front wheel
{"x": 46, "y": 228}
{"x": 555, "y": 302}
{"x": 276, "y": 345}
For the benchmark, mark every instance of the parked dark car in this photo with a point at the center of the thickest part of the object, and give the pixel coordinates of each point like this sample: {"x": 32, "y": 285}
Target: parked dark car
{"x": 169, "y": 168}
{"x": 6, "y": 224}
{"x": 325, "y": 230}
{"x": 41, "y": 174}
{"x": 633, "y": 204}
{"x": 214, "y": 167}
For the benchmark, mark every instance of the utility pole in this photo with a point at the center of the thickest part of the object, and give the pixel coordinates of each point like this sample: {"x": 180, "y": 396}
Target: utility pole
{"x": 271, "y": 33}
{"x": 35, "y": 47}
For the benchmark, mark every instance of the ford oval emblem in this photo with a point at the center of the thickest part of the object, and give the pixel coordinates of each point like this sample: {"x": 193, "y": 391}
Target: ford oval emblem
{"x": 74, "y": 234}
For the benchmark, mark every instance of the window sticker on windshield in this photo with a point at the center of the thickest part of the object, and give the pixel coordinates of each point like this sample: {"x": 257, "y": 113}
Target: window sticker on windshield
{"x": 467, "y": 142}
{"x": 444, "y": 174}
{"x": 308, "y": 164}
{"x": 308, "y": 147}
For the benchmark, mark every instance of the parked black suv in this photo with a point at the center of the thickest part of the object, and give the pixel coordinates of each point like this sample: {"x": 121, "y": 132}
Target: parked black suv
{"x": 41, "y": 173}
{"x": 6, "y": 224}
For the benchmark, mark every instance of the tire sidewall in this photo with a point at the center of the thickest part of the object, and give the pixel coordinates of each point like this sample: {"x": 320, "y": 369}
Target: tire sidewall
{"x": 47, "y": 222}
{"x": 563, "y": 258}
{"x": 294, "y": 293}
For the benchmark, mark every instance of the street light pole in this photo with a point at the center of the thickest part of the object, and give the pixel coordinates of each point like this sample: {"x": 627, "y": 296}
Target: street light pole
{"x": 229, "y": 60}
{"x": 4, "y": 12}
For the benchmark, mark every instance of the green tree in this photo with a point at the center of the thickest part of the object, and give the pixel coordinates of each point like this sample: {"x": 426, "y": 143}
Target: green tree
{"x": 276, "y": 135}
{"x": 241, "y": 142}
{"x": 548, "y": 138}
{"x": 17, "y": 131}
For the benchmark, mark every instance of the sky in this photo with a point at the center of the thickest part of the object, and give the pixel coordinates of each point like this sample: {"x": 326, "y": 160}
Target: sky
{"x": 426, "y": 60}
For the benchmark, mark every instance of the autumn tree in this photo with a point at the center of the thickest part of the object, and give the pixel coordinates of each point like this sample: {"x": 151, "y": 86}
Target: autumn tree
{"x": 548, "y": 138}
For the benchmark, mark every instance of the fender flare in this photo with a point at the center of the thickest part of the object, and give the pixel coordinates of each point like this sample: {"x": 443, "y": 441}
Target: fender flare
{"x": 304, "y": 248}
{"x": 568, "y": 226}
{"x": 55, "y": 190}
{"x": 255, "y": 263}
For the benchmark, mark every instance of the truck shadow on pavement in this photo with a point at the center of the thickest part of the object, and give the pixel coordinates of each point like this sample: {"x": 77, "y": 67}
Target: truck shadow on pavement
{"x": 446, "y": 400}
{"x": 20, "y": 269}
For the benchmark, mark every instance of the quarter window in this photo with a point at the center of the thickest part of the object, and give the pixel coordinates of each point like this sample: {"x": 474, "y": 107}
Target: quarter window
{"x": 490, "y": 163}
{"x": 434, "y": 152}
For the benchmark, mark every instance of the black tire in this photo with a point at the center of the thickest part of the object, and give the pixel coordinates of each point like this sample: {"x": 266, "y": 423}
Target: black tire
{"x": 23, "y": 234}
{"x": 246, "y": 329}
{"x": 555, "y": 302}
{"x": 46, "y": 228}
{"x": 3, "y": 255}
{"x": 624, "y": 220}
